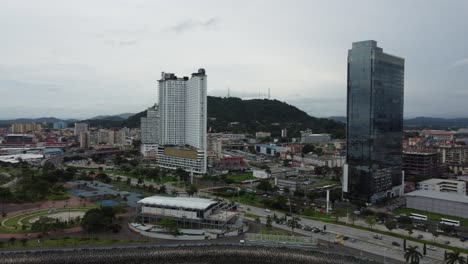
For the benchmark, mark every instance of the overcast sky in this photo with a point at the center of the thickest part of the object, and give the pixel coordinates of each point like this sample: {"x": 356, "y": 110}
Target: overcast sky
{"x": 78, "y": 59}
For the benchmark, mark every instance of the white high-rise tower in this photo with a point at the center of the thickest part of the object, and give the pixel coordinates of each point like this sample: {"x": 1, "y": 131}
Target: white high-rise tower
{"x": 183, "y": 121}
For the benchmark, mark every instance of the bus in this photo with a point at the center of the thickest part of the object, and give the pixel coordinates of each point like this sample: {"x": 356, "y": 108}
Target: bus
{"x": 418, "y": 217}
{"x": 449, "y": 222}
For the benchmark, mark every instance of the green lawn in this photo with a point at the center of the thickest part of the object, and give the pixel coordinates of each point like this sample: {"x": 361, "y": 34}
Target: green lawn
{"x": 432, "y": 216}
{"x": 251, "y": 215}
{"x": 265, "y": 231}
{"x": 64, "y": 242}
{"x": 238, "y": 178}
{"x": 249, "y": 199}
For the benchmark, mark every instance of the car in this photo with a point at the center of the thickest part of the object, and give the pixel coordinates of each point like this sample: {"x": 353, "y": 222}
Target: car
{"x": 345, "y": 238}
{"x": 242, "y": 241}
{"x": 377, "y": 236}
{"x": 447, "y": 242}
{"x": 267, "y": 210}
{"x": 396, "y": 244}
{"x": 353, "y": 240}
{"x": 316, "y": 230}
{"x": 323, "y": 232}
{"x": 431, "y": 248}
{"x": 420, "y": 236}
{"x": 462, "y": 239}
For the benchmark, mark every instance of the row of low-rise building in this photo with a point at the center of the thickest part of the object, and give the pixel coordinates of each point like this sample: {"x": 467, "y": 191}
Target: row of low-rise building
{"x": 25, "y": 128}
{"x": 107, "y": 137}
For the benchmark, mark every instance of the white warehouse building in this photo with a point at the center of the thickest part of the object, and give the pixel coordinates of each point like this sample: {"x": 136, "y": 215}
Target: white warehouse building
{"x": 443, "y": 185}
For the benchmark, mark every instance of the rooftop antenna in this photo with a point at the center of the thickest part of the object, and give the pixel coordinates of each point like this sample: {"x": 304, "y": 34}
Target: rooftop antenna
{"x": 268, "y": 93}
{"x": 229, "y": 93}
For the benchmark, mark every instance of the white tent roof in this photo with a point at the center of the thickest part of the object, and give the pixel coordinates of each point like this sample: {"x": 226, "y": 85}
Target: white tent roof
{"x": 182, "y": 202}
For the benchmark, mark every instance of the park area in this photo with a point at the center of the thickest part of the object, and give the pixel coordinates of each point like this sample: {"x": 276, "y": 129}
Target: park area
{"x": 22, "y": 222}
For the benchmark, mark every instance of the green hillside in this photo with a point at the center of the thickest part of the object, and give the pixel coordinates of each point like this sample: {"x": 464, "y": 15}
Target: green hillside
{"x": 266, "y": 115}
{"x": 258, "y": 115}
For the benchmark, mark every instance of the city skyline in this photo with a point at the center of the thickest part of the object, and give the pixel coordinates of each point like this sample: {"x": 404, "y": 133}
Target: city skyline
{"x": 82, "y": 59}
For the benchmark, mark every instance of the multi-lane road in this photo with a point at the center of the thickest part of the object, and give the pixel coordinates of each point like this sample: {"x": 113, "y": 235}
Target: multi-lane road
{"x": 364, "y": 240}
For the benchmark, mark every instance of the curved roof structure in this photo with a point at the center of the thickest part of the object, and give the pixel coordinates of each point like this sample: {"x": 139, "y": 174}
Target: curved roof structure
{"x": 181, "y": 202}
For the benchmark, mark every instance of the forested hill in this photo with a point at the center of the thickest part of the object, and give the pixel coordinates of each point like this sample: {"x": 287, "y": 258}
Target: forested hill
{"x": 237, "y": 115}
{"x": 266, "y": 115}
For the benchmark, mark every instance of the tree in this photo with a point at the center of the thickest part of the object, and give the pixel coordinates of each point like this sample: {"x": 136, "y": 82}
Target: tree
{"x": 98, "y": 219}
{"x": 447, "y": 228}
{"x": 405, "y": 220}
{"x": 424, "y": 249}
{"x": 370, "y": 220}
{"x": 264, "y": 186}
{"x": 140, "y": 181}
{"x": 103, "y": 177}
{"x": 312, "y": 196}
{"x": 404, "y": 244}
{"x": 269, "y": 221}
{"x": 390, "y": 224}
{"x": 412, "y": 255}
{"x": 23, "y": 242}
{"x": 12, "y": 240}
{"x": 257, "y": 220}
{"x": 455, "y": 258}
{"x": 409, "y": 228}
{"x": 293, "y": 223}
{"x": 184, "y": 175}
{"x": 299, "y": 193}
{"x": 308, "y": 148}
{"x": 338, "y": 212}
{"x": 163, "y": 189}
{"x": 192, "y": 189}
{"x": 128, "y": 181}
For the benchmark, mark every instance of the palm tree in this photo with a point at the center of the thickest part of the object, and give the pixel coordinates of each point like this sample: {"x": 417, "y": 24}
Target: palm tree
{"x": 293, "y": 223}
{"x": 412, "y": 256}
{"x": 370, "y": 220}
{"x": 455, "y": 258}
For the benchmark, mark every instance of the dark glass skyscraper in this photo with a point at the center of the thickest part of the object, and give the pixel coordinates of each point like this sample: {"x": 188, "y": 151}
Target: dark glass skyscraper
{"x": 374, "y": 124}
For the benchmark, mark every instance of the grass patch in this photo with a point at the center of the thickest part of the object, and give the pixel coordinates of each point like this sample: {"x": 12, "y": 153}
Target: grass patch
{"x": 68, "y": 242}
{"x": 238, "y": 178}
{"x": 251, "y": 215}
{"x": 432, "y": 216}
{"x": 249, "y": 199}
{"x": 265, "y": 231}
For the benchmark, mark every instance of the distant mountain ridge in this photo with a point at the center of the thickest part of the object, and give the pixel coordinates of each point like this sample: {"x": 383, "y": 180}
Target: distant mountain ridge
{"x": 424, "y": 122}
{"x": 35, "y": 120}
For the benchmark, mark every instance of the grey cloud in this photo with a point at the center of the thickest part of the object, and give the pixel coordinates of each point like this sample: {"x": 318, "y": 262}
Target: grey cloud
{"x": 461, "y": 62}
{"x": 121, "y": 42}
{"x": 190, "y": 25}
